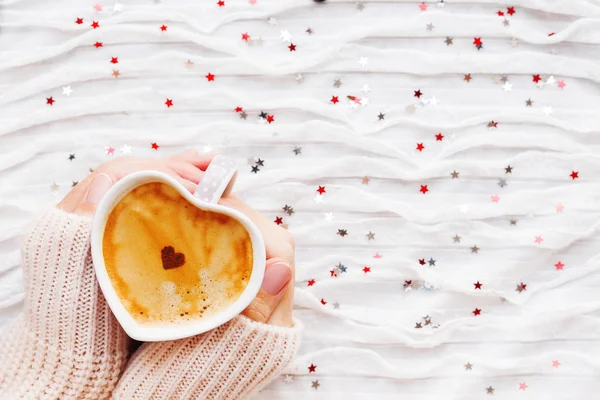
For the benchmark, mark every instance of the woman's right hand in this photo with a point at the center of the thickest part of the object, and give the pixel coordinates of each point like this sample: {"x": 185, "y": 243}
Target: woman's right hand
{"x": 273, "y": 304}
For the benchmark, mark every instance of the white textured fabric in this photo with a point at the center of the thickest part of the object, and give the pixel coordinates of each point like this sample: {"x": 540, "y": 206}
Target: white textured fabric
{"x": 368, "y": 348}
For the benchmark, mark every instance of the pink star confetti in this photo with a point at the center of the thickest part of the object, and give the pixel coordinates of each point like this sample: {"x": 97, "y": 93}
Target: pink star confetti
{"x": 423, "y": 6}
{"x": 559, "y": 266}
{"x": 555, "y": 363}
{"x": 495, "y": 198}
{"x": 523, "y": 386}
{"x": 559, "y": 208}
{"x": 109, "y": 151}
{"x": 253, "y": 2}
{"x": 539, "y": 239}
{"x": 98, "y": 7}
{"x": 377, "y": 255}
{"x": 561, "y": 84}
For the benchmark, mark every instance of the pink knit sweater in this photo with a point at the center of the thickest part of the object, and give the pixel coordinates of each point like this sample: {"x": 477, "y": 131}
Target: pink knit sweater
{"x": 67, "y": 344}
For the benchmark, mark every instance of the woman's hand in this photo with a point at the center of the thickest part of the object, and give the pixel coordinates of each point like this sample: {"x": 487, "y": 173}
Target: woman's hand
{"x": 187, "y": 168}
{"x": 273, "y": 304}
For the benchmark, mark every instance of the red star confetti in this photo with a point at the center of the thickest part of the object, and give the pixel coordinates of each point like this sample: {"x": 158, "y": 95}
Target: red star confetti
{"x": 79, "y": 21}
{"x": 523, "y": 386}
{"x": 537, "y": 78}
{"x": 477, "y": 42}
{"x": 321, "y": 189}
{"x": 98, "y": 45}
{"x": 559, "y": 266}
{"x": 154, "y": 146}
{"x": 439, "y": 137}
{"x": 476, "y": 312}
{"x": 95, "y": 25}
{"x": 478, "y": 285}
{"x": 422, "y": 261}
{"x": 492, "y": 125}
{"x": 50, "y": 100}
{"x": 366, "y": 269}
{"x": 292, "y": 47}
{"x": 418, "y": 94}
{"x": 278, "y": 220}
{"x": 245, "y": 36}
{"x": 423, "y": 6}
{"x": 270, "y": 118}
{"x": 574, "y": 175}
{"x": 323, "y": 301}
{"x": 312, "y": 368}
{"x": 538, "y": 239}
{"x": 163, "y": 28}
{"x": 510, "y": 11}
{"x": 210, "y": 77}
{"x": 114, "y": 60}
{"x": 169, "y": 103}
{"x": 311, "y": 282}
{"x": 239, "y": 109}
{"x": 424, "y": 189}
{"x": 420, "y": 146}
{"x": 334, "y": 99}
{"x": 333, "y": 273}
{"x": 551, "y": 34}
{"x": 500, "y": 13}
{"x": 221, "y": 3}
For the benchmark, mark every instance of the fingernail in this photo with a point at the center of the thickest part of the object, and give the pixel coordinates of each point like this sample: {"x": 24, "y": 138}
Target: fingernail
{"x": 98, "y": 188}
{"x": 276, "y": 277}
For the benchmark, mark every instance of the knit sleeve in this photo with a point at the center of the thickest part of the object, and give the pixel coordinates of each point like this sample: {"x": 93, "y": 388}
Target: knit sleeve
{"x": 66, "y": 344}
{"x": 227, "y": 363}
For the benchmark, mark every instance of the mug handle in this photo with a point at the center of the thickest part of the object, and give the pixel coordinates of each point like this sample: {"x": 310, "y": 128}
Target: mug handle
{"x": 218, "y": 179}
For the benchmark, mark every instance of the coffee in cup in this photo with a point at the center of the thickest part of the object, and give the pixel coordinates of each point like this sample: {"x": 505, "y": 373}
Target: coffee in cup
{"x": 170, "y": 261}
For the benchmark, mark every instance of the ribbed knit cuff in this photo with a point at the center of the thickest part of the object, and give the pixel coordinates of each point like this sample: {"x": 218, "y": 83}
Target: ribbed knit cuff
{"x": 227, "y": 363}
{"x": 66, "y": 343}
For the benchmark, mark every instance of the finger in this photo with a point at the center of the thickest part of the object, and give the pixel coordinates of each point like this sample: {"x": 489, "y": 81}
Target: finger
{"x": 188, "y": 171}
{"x": 277, "y": 276}
{"x": 196, "y": 159}
{"x": 70, "y": 202}
{"x": 97, "y": 189}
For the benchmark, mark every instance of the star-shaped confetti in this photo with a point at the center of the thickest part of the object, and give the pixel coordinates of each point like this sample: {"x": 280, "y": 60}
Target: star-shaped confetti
{"x": 521, "y": 287}
{"x": 475, "y": 249}
{"x": 431, "y": 262}
{"x": 424, "y": 189}
{"x": 210, "y": 77}
{"x": 490, "y": 390}
{"x": 50, "y": 100}
{"x": 370, "y": 236}
{"x": 115, "y": 73}
{"x": 508, "y": 169}
{"x": 342, "y": 232}
{"x": 297, "y": 150}
{"x": 559, "y": 266}
{"x": 523, "y": 386}
{"x": 476, "y": 312}
{"x": 449, "y": 41}
{"x": 381, "y": 116}
{"x": 555, "y": 363}
{"x": 288, "y": 379}
{"x": 574, "y": 174}
{"x": 454, "y": 174}
{"x": 337, "y": 83}
{"x": 54, "y": 187}
{"x": 478, "y": 285}
{"x": 321, "y": 189}
{"x": 468, "y": 366}
{"x": 365, "y": 180}
{"x": 456, "y": 238}
{"x": 315, "y": 384}
{"x": 154, "y": 146}
{"x": 312, "y": 368}
{"x": 71, "y": 157}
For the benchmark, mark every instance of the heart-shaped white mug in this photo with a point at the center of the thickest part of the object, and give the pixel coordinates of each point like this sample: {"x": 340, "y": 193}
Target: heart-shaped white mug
{"x": 217, "y": 179}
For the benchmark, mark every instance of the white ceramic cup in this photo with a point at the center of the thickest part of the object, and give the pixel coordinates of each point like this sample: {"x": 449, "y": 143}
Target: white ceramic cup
{"x": 218, "y": 179}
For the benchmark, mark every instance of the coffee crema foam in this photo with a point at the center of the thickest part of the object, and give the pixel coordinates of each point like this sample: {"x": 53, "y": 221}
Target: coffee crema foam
{"x": 216, "y": 248}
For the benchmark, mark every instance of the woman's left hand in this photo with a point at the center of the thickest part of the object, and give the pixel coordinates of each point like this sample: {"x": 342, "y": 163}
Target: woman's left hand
{"x": 187, "y": 168}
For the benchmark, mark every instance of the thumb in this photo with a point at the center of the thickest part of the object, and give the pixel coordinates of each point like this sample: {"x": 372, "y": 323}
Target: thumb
{"x": 98, "y": 188}
{"x": 277, "y": 275}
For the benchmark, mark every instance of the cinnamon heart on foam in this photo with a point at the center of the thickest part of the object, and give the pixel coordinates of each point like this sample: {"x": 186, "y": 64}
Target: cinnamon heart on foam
{"x": 170, "y": 259}
{"x": 216, "y": 180}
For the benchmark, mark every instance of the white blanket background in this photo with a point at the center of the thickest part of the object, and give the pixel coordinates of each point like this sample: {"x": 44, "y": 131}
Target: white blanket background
{"x": 528, "y": 235}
